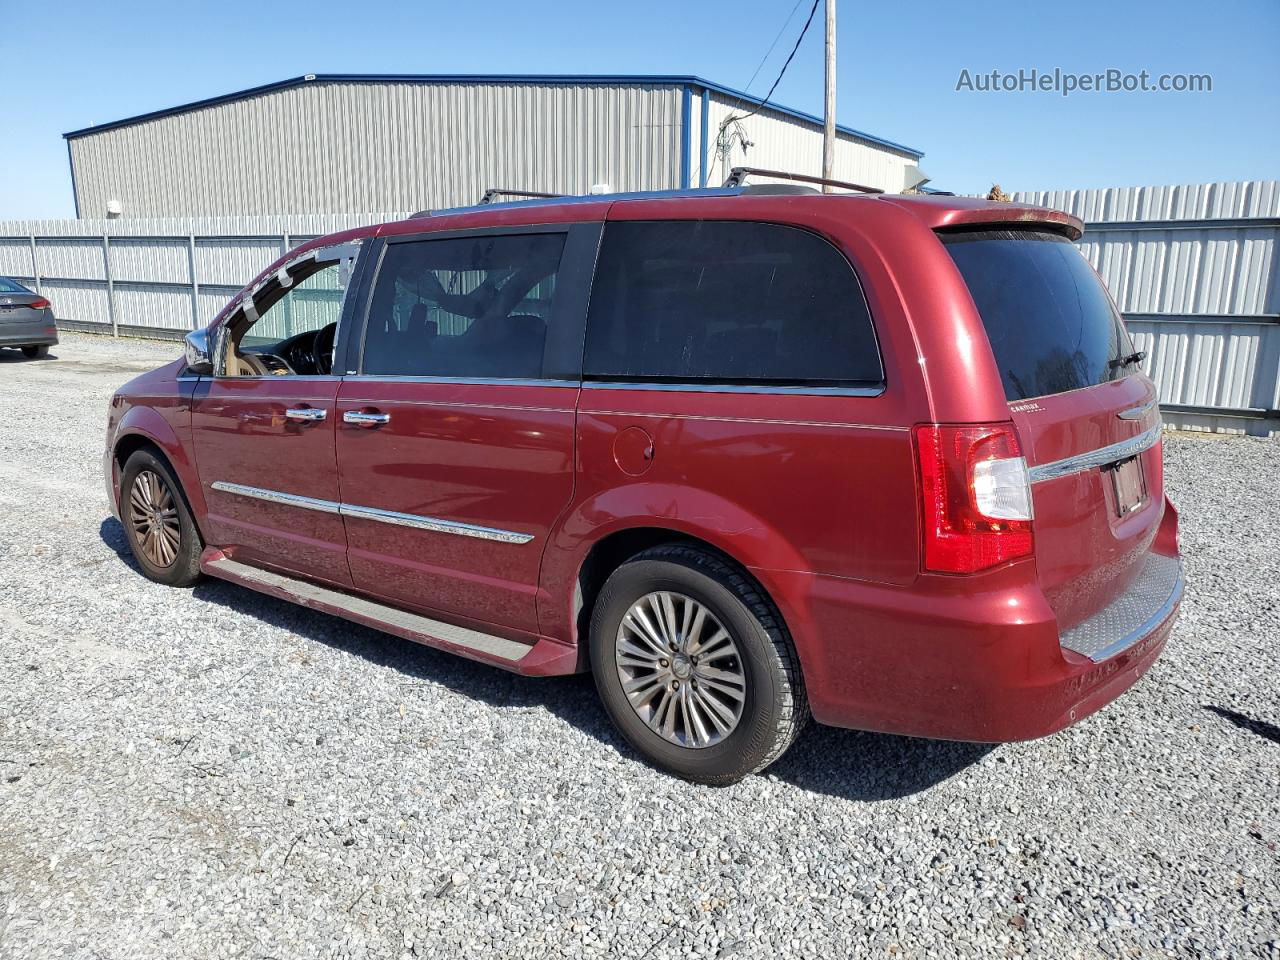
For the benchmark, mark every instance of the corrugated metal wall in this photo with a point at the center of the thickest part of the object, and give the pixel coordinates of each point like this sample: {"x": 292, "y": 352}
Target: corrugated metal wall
{"x": 780, "y": 142}
{"x": 1194, "y": 268}
{"x": 332, "y": 147}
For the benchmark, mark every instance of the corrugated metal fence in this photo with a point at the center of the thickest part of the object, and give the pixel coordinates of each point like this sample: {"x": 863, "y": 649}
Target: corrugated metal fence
{"x": 1196, "y": 272}
{"x": 152, "y": 277}
{"x": 1194, "y": 269}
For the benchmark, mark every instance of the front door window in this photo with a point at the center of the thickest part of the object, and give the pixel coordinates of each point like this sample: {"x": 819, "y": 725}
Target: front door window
{"x": 289, "y": 326}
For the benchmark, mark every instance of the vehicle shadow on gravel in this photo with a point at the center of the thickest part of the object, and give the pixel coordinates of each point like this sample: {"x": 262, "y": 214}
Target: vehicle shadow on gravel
{"x": 14, "y": 355}
{"x": 1268, "y": 731}
{"x": 856, "y": 765}
{"x": 847, "y": 764}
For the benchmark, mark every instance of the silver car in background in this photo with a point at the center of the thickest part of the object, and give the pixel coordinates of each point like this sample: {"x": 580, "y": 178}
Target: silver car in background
{"x": 26, "y": 320}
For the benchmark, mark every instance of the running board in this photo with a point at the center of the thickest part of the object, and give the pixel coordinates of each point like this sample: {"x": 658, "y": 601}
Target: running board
{"x": 370, "y": 613}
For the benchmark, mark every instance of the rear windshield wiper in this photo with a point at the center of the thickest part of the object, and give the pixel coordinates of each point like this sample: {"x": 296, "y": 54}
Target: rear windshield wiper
{"x": 1132, "y": 358}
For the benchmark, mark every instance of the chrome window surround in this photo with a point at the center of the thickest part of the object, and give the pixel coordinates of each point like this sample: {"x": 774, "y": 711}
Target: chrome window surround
{"x": 748, "y": 388}
{"x": 433, "y": 524}
{"x": 480, "y": 381}
{"x": 1097, "y": 458}
{"x": 287, "y": 378}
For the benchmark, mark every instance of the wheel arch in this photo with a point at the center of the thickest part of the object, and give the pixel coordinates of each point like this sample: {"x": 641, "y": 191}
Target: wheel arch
{"x": 143, "y": 428}
{"x": 131, "y": 443}
{"x": 610, "y": 551}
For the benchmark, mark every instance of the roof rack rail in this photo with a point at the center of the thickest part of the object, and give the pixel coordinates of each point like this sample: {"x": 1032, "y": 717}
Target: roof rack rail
{"x": 494, "y": 192}
{"x": 739, "y": 174}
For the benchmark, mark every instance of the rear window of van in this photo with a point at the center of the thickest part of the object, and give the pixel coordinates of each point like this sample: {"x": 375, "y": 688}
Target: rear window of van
{"x": 1051, "y": 324}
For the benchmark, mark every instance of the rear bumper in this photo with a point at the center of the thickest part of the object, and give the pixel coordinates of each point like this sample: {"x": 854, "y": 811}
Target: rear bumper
{"x": 34, "y": 333}
{"x": 977, "y": 659}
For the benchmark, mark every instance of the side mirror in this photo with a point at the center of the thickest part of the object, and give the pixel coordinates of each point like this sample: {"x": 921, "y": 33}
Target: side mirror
{"x": 196, "y": 352}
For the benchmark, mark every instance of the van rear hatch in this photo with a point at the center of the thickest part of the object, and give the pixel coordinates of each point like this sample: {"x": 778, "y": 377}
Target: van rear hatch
{"x": 1087, "y": 420}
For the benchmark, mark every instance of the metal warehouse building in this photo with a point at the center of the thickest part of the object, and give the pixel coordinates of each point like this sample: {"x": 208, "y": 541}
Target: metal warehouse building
{"x": 358, "y": 143}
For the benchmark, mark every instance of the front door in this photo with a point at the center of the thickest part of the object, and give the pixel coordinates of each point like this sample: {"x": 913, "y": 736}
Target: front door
{"x": 263, "y": 425}
{"x": 455, "y": 440}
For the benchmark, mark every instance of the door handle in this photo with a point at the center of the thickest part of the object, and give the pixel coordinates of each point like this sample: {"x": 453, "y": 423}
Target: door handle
{"x": 364, "y": 418}
{"x": 306, "y": 414}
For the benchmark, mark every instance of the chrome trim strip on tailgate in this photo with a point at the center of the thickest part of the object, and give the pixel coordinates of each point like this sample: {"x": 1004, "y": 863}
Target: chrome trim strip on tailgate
{"x": 433, "y": 524}
{"x": 1097, "y": 458}
{"x": 1140, "y": 411}
{"x": 1132, "y": 616}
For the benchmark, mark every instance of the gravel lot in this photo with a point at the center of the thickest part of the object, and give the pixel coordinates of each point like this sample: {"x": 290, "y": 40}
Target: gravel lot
{"x": 213, "y": 773}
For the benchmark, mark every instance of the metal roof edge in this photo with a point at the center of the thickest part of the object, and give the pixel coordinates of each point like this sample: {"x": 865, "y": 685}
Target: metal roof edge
{"x": 188, "y": 107}
{"x": 755, "y": 101}
{"x": 603, "y": 79}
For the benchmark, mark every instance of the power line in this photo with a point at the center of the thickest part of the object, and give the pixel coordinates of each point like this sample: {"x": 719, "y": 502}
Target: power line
{"x": 732, "y": 118}
{"x": 781, "y": 30}
{"x": 790, "y": 57}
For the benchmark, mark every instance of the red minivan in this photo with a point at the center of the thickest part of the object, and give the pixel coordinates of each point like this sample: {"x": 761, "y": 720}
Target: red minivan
{"x": 746, "y": 455}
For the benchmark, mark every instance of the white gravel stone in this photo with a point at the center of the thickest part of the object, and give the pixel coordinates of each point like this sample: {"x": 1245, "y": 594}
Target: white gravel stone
{"x": 214, "y": 773}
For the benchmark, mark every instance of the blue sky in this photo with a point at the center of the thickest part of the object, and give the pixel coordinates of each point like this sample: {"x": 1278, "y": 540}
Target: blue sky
{"x": 68, "y": 65}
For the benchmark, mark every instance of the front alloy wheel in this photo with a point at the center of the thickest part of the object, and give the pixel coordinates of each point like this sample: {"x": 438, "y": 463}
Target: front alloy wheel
{"x": 157, "y": 521}
{"x": 153, "y": 514}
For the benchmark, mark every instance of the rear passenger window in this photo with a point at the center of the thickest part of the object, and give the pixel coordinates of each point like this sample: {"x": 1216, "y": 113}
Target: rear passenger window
{"x": 463, "y": 307}
{"x": 728, "y": 303}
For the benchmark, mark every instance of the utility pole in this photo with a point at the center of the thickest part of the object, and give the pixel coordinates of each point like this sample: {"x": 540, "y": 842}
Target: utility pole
{"x": 829, "y": 117}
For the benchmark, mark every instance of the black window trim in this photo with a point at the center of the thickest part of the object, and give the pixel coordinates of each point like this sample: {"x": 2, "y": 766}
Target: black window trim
{"x": 565, "y": 338}
{"x": 816, "y": 388}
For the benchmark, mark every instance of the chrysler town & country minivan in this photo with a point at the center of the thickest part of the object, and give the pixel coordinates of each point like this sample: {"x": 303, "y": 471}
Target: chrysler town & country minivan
{"x": 747, "y": 456}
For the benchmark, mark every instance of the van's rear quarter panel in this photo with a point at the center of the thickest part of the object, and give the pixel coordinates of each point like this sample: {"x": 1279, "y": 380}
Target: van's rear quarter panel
{"x": 797, "y": 483}
{"x": 777, "y": 481}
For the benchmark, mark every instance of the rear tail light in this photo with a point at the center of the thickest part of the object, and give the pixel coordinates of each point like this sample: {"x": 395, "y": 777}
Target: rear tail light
{"x": 41, "y": 304}
{"x": 975, "y": 496}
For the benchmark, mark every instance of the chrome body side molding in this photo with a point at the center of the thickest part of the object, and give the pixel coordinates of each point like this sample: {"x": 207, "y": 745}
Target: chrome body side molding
{"x": 1097, "y": 458}
{"x": 434, "y": 524}
{"x": 272, "y": 496}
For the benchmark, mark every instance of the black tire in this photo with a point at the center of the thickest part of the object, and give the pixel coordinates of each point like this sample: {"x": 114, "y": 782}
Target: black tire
{"x": 774, "y": 709}
{"x": 184, "y": 568}
{"x": 36, "y": 353}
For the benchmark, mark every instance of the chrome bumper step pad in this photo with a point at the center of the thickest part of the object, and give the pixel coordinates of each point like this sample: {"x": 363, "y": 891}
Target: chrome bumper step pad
{"x": 1138, "y": 611}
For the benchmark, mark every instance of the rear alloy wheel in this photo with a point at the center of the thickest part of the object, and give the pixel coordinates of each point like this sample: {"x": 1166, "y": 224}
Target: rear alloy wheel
{"x": 157, "y": 522}
{"x": 36, "y": 353}
{"x": 695, "y": 666}
{"x": 680, "y": 669}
